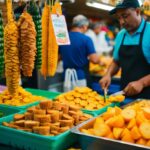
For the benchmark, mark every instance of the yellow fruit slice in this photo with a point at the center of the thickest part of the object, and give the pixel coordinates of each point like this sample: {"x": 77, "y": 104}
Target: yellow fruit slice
{"x": 98, "y": 121}
{"x": 140, "y": 118}
{"x": 145, "y": 130}
{"x": 128, "y": 114}
{"x": 102, "y": 131}
{"x": 146, "y": 111}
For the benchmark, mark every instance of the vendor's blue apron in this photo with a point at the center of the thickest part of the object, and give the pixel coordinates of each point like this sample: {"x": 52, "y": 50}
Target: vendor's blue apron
{"x": 134, "y": 65}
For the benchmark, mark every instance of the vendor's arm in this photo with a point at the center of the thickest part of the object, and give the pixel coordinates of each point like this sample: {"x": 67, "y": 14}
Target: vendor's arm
{"x": 112, "y": 70}
{"x": 114, "y": 67}
{"x": 136, "y": 87}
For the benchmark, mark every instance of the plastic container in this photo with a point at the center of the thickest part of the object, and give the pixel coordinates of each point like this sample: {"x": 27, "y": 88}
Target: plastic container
{"x": 113, "y": 88}
{"x": 43, "y": 93}
{"x": 57, "y": 87}
{"x": 31, "y": 141}
{"x": 36, "y": 92}
{"x": 6, "y": 110}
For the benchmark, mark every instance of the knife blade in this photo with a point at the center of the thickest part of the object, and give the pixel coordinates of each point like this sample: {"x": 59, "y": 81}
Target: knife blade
{"x": 118, "y": 93}
{"x": 105, "y": 94}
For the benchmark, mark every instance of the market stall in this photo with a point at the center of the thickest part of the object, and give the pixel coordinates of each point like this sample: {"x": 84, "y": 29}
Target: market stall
{"x": 80, "y": 118}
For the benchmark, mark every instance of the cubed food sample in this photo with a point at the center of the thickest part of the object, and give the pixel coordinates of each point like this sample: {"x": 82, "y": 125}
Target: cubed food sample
{"x": 48, "y": 118}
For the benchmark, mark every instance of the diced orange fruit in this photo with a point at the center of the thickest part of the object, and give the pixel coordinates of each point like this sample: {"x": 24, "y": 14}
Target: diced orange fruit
{"x": 141, "y": 141}
{"x": 127, "y": 136}
{"x": 132, "y": 123}
{"x": 110, "y": 136}
{"x": 135, "y": 133}
{"x": 110, "y": 113}
{"x": 148, "y": 143}
{"x": 117, "y": 132}
{"x": 110, "y": 122}
{"x": 117, "y": 110}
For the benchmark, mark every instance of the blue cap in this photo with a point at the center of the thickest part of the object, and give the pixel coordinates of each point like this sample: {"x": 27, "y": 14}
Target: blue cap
{"x": 123, "y": 4}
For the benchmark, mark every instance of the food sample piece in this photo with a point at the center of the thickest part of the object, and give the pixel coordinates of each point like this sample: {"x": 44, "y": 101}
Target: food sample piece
{"x": 19, "y": 117}
{"x": 64, "y": 123}
{"x": 39, "y": 111}
{"x": 42, "y": 118}
{"x": 46, "y": 104}
{"x": 28, "y": 116}
{"x": 20, "y": 123}
{"x": 45, "y": 130}
{"x": 54, "y": 115}
{"x": 31, "y": 124}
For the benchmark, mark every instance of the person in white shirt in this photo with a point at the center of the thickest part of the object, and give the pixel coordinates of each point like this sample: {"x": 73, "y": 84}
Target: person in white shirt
{"x": 99, "y": 38}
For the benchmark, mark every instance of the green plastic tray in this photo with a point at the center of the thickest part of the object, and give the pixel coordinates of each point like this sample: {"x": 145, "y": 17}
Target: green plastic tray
{"x": 30, "y": 141}
{"x": 6, "y": 110}
{"x": 43, "y": 93}
{"x": 102, "y": 110}
{"x": 37, "y": 92}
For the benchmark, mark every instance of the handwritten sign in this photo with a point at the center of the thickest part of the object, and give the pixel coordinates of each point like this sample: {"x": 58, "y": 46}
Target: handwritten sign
{"x": 60, "y": 29}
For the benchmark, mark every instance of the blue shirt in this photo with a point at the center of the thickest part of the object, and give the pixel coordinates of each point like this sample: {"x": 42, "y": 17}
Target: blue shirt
{"x": 76, "y": 54}
{"x": 134, "y": 39}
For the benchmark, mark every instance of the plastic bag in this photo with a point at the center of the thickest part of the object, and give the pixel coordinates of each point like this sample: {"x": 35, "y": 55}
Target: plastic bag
{"x": 72, "y": 81}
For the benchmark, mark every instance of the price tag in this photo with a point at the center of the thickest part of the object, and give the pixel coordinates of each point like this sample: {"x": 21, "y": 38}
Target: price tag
{"x": 60, "y": 29}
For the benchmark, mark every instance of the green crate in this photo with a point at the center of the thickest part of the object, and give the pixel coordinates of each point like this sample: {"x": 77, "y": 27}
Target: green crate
{"x": 43, "y": 93}
{"x": 37, "y": 92}
{"x": 23, "y": 106}
{"x": 31, "y": 141}
{"x": 102, "y": 110}
{"x": 6, "y": 110}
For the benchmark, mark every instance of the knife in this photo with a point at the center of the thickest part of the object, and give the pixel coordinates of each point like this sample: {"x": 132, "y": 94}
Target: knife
{"x": 105, "y": 94}
{"x": 118, "y": 93}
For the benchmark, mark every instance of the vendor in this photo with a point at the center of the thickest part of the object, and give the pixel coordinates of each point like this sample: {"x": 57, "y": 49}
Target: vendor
{"x": 131, "y": 51}
{"x": 81, "y": 50}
